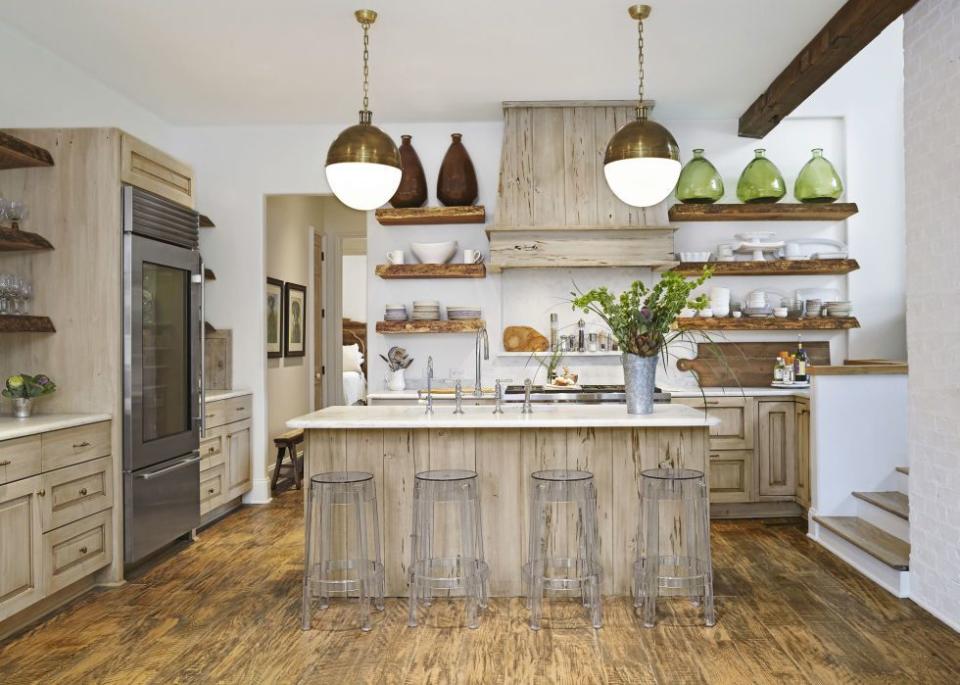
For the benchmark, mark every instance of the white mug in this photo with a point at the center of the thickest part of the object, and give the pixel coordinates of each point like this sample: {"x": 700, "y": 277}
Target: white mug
{"x": 792, "y": 249}
{"x": 395, "y": 256}
{"x": 472, "y": 256}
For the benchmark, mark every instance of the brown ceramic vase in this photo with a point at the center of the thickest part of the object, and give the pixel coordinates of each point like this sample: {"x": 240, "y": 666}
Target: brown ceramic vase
{"x": 412, "y": 191}
{"x": 457, "y": 183}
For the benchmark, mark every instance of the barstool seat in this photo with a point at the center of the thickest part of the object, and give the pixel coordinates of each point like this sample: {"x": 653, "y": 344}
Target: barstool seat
{"x": 456, "y": 563}
{"x": 342, "y": 552}
{"x": 563, "y": 565}
{"x": 678, "y": 564}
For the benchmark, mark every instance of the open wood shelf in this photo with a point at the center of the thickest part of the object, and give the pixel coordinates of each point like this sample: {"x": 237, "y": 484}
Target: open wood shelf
{"x": 776, "y": 211}
{"x": 15, "y": 240}
{"x": 462, "y": 326}
{"x": 824, "y": 323}
{"x": 205, "y": 222}
{"x": 26, "y": 324}
{"x": 19, "y": 154}
{"x": 416, "y": 216}
{"x": 776, "y": 267}
{"x": 208, "y": 274}
{"x": 431, "y": 270}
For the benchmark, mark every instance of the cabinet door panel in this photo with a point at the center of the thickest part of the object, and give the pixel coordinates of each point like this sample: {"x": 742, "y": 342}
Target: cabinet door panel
{"x": 803, "y": 454}
{"x": 21, "y": 567}
{"x": 238, "y": 458}
{"x": 75, "y": 492}
{"x": 731, "y": 475}
{"x": 19, "y": 458}
{"x": 777, "y": 450}
{"x": 737, "y": 420}
{"x": 77, "y": 549}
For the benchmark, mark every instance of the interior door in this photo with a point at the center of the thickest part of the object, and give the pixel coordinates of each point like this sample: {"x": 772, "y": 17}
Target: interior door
{"x": 162, "y": 336}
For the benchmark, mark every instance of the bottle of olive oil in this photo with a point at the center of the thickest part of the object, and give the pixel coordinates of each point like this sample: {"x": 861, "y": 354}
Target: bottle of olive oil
{"x": 801, "y": 375}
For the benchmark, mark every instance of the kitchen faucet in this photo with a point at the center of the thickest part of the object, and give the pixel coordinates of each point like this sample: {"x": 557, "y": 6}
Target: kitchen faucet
{"x": 429, "y": 386}
{"x": 481, "y": 335}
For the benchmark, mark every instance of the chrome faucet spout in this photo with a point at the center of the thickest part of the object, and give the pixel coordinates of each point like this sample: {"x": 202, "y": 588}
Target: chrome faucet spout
{"x": 485, "y": 339}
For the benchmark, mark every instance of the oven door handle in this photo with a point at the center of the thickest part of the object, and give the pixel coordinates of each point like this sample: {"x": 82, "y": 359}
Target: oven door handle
{"x": 167, "y": 469}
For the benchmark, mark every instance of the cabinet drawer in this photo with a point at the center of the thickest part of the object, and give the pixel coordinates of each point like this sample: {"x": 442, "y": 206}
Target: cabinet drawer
{"x": 737, "y": 420}
{"x": 75, "y": 492}
{"x": 75, "y": 445}
{"x": 77, "y": 549}
{"x": 19, "y": 458}
{"x": 211, "y": 488}
{"x": 144, "y": 166}
{"x": 227, "y": 411}
{"x": 731, "y": 476}
{"x": 211, "y": 449}
{"x": 21, "y": 559}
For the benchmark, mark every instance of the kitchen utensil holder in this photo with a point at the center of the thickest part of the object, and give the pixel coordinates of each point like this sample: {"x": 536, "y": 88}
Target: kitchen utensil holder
{"x": 342, "y": 543}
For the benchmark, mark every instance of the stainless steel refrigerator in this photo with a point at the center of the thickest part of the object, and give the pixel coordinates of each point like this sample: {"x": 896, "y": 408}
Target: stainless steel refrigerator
{"x": 163, "y": 368}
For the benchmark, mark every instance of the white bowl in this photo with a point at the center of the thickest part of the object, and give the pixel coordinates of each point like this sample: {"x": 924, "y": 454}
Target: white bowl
{"x": 780, "y": 312}
{"x": 434, "y": 253}
{"x": 706, "y": 313}
{"x": 695, "y": 256}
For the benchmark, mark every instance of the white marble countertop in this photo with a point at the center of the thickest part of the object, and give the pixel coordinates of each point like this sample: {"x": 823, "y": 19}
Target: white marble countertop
{"x": 215, "y": 395}
{"x": 11, "y": 428}
{"x": 543, "y": 416}
{"x": 675, "y": 392}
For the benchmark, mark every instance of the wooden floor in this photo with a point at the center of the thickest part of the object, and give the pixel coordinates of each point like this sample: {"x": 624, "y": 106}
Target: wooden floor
{"x": 226, "y": 610}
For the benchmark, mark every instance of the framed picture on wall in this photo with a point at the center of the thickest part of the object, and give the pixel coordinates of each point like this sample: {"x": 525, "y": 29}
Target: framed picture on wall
{"x": 295, "y": 326}
{"x": 274, "y": 317}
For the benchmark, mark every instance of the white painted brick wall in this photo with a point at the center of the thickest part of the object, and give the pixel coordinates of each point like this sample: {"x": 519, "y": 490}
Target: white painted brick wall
{"x": 932, "y": 141}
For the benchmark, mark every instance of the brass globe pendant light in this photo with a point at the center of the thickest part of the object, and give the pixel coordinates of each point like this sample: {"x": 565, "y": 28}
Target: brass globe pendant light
{"x": 642, "y": 162}
{"x": 363, "y": 163}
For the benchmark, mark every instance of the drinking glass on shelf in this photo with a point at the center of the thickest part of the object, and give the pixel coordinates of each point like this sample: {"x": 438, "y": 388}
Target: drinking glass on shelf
{"x": 3, "y": 208}
{"x": 24, "y": 295}
{"x": 17, "y": 212}
{"x": 7, "y": 285}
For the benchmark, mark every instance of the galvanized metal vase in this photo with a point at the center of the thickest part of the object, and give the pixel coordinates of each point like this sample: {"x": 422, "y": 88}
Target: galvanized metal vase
{"x": 639, "y": 379}
{"x": 22, "y": 407}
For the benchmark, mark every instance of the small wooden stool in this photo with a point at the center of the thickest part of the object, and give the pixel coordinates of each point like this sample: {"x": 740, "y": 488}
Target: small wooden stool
{"x": 287, "y": 442}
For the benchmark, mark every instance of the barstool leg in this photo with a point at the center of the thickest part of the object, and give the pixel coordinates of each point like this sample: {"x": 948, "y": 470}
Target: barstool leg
{"x": 296, "y": 470}
{"x": 413, "y": 583}
{"x": 468, "y": 562}
{"x": 378, "y": 572}
{"x": 276, "y": 468}
{"x": 537, "y": 551}
{"x": 651, "y": 565}
{"x": 691, "y": 539}
{"x": 592, "y": 558}
{"x": 324, "y": 539}
{"x": 426, "y": 536}
{"x": 306, "y": 608}
{"x": 484, "y": 577}
{"x": 709, "y": 614}
{"x": 362, "y": 561}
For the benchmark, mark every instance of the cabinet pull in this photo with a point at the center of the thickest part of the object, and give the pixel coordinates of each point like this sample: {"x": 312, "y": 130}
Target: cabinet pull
{"x": 42, "y": 492}
{"x": 5, "y": 462}
{"x": 712, "y": 402}
{"x": 239, "y": 408}
{"x": 211, "y": 449}
{"x": 78, "y": 445}
{"x": 83, "y": 550}
{"x": 211, "y": 491}
{"x": 210, "y": 416}
{"x": 714, "y": 455}
{"x": 83, "y": 492}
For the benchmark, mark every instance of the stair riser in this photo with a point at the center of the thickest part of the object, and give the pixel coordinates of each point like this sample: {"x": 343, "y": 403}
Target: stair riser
{"x": 893, "y": 581}
{"x": 884, "y": 520}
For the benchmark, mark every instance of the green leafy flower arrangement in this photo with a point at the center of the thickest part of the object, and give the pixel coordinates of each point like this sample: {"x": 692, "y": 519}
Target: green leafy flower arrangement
{"x": 642, "y": 319}
{"x": 25, "y": 386}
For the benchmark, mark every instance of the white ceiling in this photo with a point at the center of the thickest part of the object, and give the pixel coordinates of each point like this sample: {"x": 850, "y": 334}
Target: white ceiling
{"x": 298, "y": 61}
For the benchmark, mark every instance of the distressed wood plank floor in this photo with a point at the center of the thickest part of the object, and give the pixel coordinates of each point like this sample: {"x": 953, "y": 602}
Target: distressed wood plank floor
{"x": 226, "y": 610}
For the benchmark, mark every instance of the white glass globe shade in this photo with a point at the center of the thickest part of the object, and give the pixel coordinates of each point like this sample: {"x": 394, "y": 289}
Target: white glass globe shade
{"x": 361, "y": 185}
{"x": 642, "y": 181}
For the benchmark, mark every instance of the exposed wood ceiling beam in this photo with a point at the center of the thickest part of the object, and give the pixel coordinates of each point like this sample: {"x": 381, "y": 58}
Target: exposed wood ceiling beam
{"x": 849, "y": 31}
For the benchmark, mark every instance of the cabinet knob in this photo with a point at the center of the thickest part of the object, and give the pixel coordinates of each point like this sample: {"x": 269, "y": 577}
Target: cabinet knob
{"x": 78, "y": 445}
{"x": 211, "y": 491}
{"x": 83, "y": 492}
{"x": 715, "y": 455}
{"x": 42, "y": 492}
{"x": 211, "y": 450}
{"x": 83, "y": 550}
{"x": 5, "y": 462}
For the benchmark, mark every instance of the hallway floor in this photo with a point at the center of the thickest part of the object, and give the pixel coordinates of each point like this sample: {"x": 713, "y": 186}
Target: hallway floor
{"x": 226, "y": 610}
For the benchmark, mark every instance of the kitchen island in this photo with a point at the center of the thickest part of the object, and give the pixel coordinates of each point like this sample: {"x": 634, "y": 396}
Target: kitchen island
{"x": 394, "y": 443}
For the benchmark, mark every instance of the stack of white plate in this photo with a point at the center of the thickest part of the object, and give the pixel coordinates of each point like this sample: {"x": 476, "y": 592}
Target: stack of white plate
{"x": 395, "y": 312}
{"x": 426, "y": 310}
{"x": 838, "y": 309}
{"x": 455, "y": 313}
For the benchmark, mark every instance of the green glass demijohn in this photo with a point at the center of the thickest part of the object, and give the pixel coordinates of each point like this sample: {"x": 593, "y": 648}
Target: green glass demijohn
{"x": 699, "y": 181}
{"x": 761, "y": 181}
{"x": 818, "y": 180}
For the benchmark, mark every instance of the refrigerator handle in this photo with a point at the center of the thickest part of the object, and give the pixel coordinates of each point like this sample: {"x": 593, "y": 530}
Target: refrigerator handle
{"x": 201, "y": 377}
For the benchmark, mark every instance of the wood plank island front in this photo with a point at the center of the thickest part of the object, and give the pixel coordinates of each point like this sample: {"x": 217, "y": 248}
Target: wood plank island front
{"x": 394, "y": 443}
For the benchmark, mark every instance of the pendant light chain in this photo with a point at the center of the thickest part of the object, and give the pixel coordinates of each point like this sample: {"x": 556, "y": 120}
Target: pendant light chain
{"x": 366, "y": 66}
{"x": 641, "y": 108}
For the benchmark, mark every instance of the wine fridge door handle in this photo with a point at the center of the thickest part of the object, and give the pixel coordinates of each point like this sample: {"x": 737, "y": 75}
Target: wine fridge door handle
{"x": 179, "y": 465}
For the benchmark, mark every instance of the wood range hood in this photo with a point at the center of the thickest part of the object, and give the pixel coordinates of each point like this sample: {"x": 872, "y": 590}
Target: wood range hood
{"x": 554, "y": 208}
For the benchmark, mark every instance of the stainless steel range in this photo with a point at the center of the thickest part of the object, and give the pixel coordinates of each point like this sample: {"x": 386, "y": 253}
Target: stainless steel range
{"x": 584, "y": 394}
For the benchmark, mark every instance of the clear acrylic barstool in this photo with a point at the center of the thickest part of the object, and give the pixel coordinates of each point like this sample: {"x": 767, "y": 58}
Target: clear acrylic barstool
{"x": 678, "y": 562}
{"x": 342, "y": 543}
{"x": 564, "y": 554}
{"x": 446, "y": 544}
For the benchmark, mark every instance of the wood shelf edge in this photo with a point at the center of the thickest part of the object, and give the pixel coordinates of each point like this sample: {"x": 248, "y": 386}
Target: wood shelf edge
{"x": 26, "y": 324}
{"x": 17, "y": 240}
{"x": 206, "y": 222}
{"x": 427, "y": 327}
{"x": 418, "y": 216}
{"x": 777, "y": 267}
{"x": 768, "y": 324}
{"x": 19, "y": 154}
{"x": 404, "y": 271}
{"x": 777, "y": 211}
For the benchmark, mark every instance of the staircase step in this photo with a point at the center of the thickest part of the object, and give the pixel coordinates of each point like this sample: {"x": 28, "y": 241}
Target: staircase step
{"x": 891, "y": 550}
{"x": 888, "y": 500}
{"x": 905, "y": 470}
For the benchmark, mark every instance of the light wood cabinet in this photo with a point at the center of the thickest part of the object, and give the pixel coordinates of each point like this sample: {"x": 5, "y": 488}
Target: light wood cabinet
{"x": 732, "y": 476}
{"x": 737, "y": 419}
{"x": 225, "y": 452}
{"x": 21, "y": 565}
{"x": 144, "y": 166}
{"x": 239, "y": 477}
{"x": 211, "y": 488}
{"x": 76, "y": 550}
{"x": 777, "y": 449}
{"x": 75, "y": 492}
{"x": 802, "y": 411}
{"x": 19, "y": 458}
{"x": 75, "y": 445}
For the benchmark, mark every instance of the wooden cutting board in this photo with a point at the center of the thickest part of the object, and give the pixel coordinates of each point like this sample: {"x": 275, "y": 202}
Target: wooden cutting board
{"x": 749, "y": 365}
{"x": 524, "y": 339}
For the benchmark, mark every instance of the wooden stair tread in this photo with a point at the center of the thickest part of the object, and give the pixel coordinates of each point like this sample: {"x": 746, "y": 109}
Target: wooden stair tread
{"x": 878, "y": 543}
{"x": 905, "y": 470}
{"x": 889, "y": 500}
